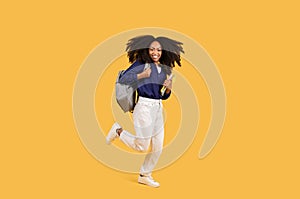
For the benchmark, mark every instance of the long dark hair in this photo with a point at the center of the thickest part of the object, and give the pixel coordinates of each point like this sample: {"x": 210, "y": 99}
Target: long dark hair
{"x": 138, "y": 50}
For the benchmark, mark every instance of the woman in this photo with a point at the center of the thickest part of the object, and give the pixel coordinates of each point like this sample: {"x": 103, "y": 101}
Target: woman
{"x": 161, "y": 53}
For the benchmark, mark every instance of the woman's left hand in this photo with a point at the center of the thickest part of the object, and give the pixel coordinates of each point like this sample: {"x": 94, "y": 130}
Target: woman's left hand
{"x": 168, "y": 84}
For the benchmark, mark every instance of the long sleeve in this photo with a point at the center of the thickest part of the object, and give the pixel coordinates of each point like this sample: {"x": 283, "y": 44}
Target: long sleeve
{"x": 130, "y": 75}
{"x": 147, "y": 87}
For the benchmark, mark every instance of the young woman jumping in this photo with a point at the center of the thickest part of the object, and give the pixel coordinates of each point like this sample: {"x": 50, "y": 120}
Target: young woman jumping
{"x": 153, "y": 86}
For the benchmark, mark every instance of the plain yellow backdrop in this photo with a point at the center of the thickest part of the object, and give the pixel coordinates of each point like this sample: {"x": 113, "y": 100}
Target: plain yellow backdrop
{"x": 255, "y": 45}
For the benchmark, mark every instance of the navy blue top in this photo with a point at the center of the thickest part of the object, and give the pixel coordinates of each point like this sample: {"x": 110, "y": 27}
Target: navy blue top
{"x": 147, "y": 87}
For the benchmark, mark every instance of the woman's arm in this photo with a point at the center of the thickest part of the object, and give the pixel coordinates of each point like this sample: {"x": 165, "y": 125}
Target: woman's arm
{"x": 146, "y": 73}
{"x": 168, "y": 85}
{"x": 134, "y": 73}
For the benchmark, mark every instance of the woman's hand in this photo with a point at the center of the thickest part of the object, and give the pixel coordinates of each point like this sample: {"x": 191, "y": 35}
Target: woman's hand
{"x": 168, "y": 85}
{"x": 145, "y": 74}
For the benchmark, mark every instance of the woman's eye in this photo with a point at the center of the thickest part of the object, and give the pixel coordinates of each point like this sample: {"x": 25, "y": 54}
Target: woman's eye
{"x": 153, "y": 49}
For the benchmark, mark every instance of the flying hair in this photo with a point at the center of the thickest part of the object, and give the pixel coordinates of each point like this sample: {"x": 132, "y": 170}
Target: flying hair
{"x": 137, "y": 49}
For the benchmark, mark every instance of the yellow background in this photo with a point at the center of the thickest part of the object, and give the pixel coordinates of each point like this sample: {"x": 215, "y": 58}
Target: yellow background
{"x": 255, "y": 45}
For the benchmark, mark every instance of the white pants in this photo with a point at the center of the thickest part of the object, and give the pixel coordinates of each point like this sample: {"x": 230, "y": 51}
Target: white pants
{"x": 149, "y": 126}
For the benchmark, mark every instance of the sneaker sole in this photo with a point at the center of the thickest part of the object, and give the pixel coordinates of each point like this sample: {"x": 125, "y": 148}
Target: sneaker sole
{"x": 148, "y": 184}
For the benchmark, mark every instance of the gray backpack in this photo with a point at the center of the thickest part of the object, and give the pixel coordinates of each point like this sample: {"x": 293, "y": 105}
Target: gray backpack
{"x": 126, "y": 95}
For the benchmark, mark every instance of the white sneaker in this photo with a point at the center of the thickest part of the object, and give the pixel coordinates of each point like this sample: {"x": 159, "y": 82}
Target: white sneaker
{"x": 112, "y": 134}
{"x": 148, "y": 180}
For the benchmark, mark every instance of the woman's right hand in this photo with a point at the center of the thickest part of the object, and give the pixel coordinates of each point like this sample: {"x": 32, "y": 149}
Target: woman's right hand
{"x": 145, "y": 74}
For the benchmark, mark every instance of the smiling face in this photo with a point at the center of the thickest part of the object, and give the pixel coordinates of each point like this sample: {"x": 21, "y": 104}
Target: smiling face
{"x": 155, "y": 51}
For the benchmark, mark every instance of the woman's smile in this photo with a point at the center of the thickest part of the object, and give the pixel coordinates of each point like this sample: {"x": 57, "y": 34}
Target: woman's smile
{"x": 155, "y": 51}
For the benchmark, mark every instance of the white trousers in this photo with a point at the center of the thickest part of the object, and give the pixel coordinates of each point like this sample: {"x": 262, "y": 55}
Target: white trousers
{"x": 149, "y": 126}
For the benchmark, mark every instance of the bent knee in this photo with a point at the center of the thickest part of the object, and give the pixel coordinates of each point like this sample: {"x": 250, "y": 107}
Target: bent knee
{"x": 142, "y": 145}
